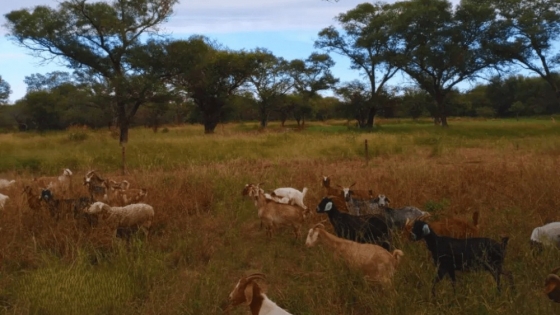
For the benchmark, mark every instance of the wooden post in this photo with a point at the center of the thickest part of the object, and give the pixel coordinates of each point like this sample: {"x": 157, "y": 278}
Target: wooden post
{"x": 367, "y": 153}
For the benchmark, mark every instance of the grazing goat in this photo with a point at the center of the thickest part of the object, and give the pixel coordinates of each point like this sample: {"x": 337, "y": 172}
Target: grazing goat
{"x": 552, "y": 286}
{"x": 60, "y": 184}
{"x": 546, "y": 235}
{"x": 451, "y": 227}
{"x": 248, "y": 292}
{"x": 377, "y": 264}
{"x": 294, "y": 196}
{"x": 451, "y": 254}
{"x": 3, "y": 200}
{"x": 138, "y": 215}
{"x": 33, "y": 200}
{"x": 273, "y": 214}
{"x": 4, "y": 183}
{"x": 362, "y": 229}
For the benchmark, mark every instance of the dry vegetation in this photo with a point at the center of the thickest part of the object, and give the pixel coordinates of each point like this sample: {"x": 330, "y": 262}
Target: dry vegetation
{"x": 206, "y": 235}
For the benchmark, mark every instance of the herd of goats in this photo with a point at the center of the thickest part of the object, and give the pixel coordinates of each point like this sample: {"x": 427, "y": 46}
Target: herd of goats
{"x": 364, "y": 225}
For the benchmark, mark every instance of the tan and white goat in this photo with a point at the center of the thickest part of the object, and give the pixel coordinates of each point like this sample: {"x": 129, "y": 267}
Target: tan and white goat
{"x": 248, "y": 292}
{"x": 377, "y": 264}
{"x": 61, "y": 185}
{"x": 274, "y": 214}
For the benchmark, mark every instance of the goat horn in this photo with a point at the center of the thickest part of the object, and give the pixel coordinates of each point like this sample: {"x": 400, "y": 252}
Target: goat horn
{"x": 352, "y": 185}
{"x": 256, "y": 276}
{"x": 320, "y": 224}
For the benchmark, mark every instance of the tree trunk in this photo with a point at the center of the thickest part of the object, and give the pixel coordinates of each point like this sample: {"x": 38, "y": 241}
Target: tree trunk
{"x": 371, "y": 117}
{"x": 264, "y": 116}
{"x": 210, "y": 126}
{"x": 123, "y": 140}
{"x": 441, "y": 113}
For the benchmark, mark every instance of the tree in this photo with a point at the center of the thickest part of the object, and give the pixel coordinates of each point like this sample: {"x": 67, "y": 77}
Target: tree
{"x": 368, "y": 42}
{"x": 37, "y": 82}
{"x": 270, "y": 81}
{"x": 206, "y": 73}
{"x": 356, "y": 103}
{"x": 5, "y": 91}
{"x": 533, "y": 29}
{"x": 311, "y": 76}
{"x": 441, "y": 46}
{"x": 97, "y": 37}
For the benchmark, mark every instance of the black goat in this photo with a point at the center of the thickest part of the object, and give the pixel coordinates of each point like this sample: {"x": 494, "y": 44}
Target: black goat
{"x": 450, "y": 254}
{"x": 362, "y": 229}
{"x": 68, "y": 207}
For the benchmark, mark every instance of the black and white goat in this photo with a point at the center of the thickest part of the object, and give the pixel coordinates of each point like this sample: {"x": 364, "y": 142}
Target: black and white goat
{"x": 362, "y": 229}
{"x": 450, "y": 254}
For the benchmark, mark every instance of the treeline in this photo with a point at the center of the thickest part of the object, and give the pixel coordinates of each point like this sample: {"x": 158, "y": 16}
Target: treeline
{"x": 119, "y": 79}
{"x": 65, "y": 104}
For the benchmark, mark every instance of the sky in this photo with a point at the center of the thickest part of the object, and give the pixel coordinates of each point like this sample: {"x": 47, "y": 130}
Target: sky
{"x": 288, "y": 28}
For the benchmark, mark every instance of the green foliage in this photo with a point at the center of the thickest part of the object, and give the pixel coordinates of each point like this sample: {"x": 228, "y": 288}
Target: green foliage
{"x": 5, "y": 91}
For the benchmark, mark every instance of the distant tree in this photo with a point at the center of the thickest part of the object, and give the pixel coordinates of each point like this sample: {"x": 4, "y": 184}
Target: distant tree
{"x": 356, "y": 102}
{"x": 441, "y": 46}
{"x": 517, "y": 108}
{"x": 98, "y": 37}
{"x": 367, "y": 41}
{"x": 270, "y": 81}
{"x": 533, "y": 34}
{"x": 5, "y": 91}
{"x": 37, "y": 82}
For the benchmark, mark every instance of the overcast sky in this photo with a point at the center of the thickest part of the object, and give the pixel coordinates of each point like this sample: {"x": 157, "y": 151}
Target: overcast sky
{"x": 286, "y": 27}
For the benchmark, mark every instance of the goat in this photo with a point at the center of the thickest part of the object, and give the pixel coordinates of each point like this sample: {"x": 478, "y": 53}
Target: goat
{"x": 3, "y": 200}
{"x": 252, "y": 189}
{"x": 326, "y": 182}
{"x": 60, "y": 184}
{"x": 377, "y": 264}
{"x": 451, "y": 254}
{"x": 273, "y": 214}
{"x": 358, "y": 193}
{"x": 546, "y": 235}
{"x": 138, "y": 215}
{"x": 33, "y": 200}
{"x": 97, "y": 186}
{"x": 336, "y": 195}
{"x": 4, "y": 183}
{"x": 552, "y": 285}
{"x": 124, "y": 196}
{"x": 362, "y": 229}
{"x": 451, "y": 227}
{"x": 398, "y": 217}
{"x": 248, "y": 292}
{"x": 294, "y": 196}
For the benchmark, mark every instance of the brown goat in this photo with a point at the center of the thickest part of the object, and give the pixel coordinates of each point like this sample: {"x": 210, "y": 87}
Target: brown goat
{"x": 248, "y": 292}
{"x": 452, "y": 227}
{"x": 33, "y": 200}
{"x": 552, "y": 286}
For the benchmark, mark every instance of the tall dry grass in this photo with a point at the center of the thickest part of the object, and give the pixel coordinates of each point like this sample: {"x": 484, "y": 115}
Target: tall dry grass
{"x": 206, "y": 235}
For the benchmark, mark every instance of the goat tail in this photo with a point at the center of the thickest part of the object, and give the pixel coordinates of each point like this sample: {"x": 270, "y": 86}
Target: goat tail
{"x": 303, "y": 192}
{"x": 475, "y": 217}
{"x": 397, "y": 254}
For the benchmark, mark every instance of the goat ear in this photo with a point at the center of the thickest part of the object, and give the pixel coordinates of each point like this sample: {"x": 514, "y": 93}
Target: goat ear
{"x": 249, "y": 293}
{"x": 328, "y": 206}
{"x": 426, "y": 229}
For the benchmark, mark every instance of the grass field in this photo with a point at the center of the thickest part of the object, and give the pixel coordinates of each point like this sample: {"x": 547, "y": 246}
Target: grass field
{"x": 206, "y": 234}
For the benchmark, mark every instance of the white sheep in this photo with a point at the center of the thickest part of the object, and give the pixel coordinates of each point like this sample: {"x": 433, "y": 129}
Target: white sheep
{"x": 3, "y": 200}
{"x": 547, "y": 235}
{"x": 248, "y": 292}
{"x": 377, "y": 264}
{"x": 294, "y": 196}
{"x": 138, "y": 215}
{"x": 4, "y": 183}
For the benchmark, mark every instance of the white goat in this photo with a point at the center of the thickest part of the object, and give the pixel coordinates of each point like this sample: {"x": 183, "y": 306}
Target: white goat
{"x": 377, "y": 264}
{"x": 294, "y": 196}
{"x": 4, "y": 183}
{"x": 248, "y": 292}
{"x": 3, "y": 199}
{"x": 546, "y": 235}
{"x": 138, "y": 215}
{"x": 252, "y": 189}
{"x": 274, "y": 214}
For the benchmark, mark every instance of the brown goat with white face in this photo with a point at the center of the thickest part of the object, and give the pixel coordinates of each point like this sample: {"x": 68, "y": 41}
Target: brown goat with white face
{"x": 552, "y": 286}
{"x": 248, "y": 292}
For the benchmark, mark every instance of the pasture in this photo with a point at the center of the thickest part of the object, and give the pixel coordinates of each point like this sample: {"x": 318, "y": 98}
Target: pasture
{"x": 206, "y": 235}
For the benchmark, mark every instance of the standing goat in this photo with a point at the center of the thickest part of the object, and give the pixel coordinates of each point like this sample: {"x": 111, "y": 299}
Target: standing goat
{"x": 273, "y": 214}
{"x": 398, "y": 217}
{"x": 61, "y": 185}
{"x": 377, "y": 264}
{"x": 248, "y": 292}
{"x": 450, "y": 254}
{"x": 97, "y": 187}
{"x": 362, "y": 229}
{"x": 451, "y": 227}
{"x": 33, "y": 200}
{"x": 4, "y": 183}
